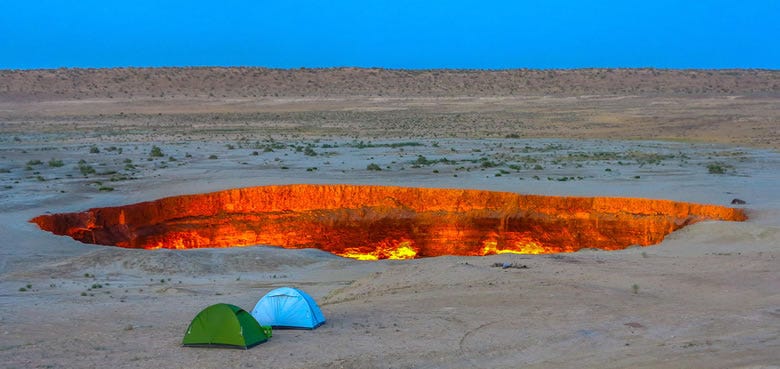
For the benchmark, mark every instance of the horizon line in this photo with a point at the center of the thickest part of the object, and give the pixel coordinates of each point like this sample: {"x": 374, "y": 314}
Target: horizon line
{"x": 385, "y": 68}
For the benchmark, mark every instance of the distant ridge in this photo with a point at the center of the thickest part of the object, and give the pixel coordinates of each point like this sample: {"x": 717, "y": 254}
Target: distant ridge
{"x": 246, "y": 82}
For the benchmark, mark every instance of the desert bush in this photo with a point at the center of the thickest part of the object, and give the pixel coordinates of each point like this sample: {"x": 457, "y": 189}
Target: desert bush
{"x": 86, "y": 169}
{"x": 422, "y": 160}
{"x": 488, "y": 164}
{"x": 717, "y": 168}
{"x": 156, "y": 152}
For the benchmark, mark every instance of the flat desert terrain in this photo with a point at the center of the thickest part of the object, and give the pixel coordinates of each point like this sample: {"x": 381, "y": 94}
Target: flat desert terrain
{"x": 708, "y": 296}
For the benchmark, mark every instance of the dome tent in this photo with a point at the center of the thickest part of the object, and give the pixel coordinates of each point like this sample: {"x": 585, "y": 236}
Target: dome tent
{"x": 227, "y": 326}
{"x": 288, "y": 307}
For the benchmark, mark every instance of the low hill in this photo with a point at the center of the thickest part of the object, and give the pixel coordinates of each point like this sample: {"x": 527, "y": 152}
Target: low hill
{"x": 123, "y": 83}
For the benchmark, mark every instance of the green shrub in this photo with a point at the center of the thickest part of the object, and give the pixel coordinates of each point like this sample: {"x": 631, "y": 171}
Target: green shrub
{"x": 156, "y": 152}
{"x": 488, "y": 164}
{"x": 373, "y": 166}
{"x": 716, "y": 168}
{"x": 54, "y": 163}
{"x": 86, "y": 169}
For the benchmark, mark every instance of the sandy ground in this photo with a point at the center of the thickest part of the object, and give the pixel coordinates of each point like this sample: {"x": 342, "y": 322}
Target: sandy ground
{"x": 707, "y": 297}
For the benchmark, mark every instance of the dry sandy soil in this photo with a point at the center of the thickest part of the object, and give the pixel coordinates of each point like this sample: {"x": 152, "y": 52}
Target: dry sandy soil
{"x": 707, "y": 297}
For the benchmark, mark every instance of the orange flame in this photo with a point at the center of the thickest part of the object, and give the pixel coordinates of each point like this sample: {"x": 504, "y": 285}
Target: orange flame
{"x": 384, "y": 250}
{"x": 376, "y": 222}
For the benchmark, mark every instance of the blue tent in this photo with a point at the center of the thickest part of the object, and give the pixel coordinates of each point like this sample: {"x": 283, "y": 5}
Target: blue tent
{"x": 287, "y": 307}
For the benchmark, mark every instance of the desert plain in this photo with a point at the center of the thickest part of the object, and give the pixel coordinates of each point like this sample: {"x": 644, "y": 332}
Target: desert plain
{"x": 708, "y": 296}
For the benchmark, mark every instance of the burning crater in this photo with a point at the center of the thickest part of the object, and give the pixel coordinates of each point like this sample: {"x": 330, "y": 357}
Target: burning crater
{"x": 377, "y": 222}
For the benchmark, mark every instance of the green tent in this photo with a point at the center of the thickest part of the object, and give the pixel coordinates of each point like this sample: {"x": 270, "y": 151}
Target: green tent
{"x": 225, "y": 325}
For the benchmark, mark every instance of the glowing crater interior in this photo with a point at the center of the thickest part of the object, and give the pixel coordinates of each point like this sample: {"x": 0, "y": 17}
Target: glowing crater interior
{"x": 381, "y": 222}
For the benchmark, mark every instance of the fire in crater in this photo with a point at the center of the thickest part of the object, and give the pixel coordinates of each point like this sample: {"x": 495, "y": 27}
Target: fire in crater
{"x": 382, "y": 222}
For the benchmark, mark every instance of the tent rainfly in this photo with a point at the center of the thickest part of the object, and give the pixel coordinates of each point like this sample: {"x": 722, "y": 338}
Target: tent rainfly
{"x": 287, "y": 307}
{"x": 225, "y": 325}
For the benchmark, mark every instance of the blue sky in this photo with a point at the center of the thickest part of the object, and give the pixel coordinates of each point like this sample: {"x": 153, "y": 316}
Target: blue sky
{"x": 391, "y": 34}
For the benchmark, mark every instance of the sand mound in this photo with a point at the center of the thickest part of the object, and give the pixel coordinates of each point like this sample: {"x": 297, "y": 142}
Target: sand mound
{"x": 430, "y": 274}
{"x": 720, "y": 237}
{"x": 187, "y": 262}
